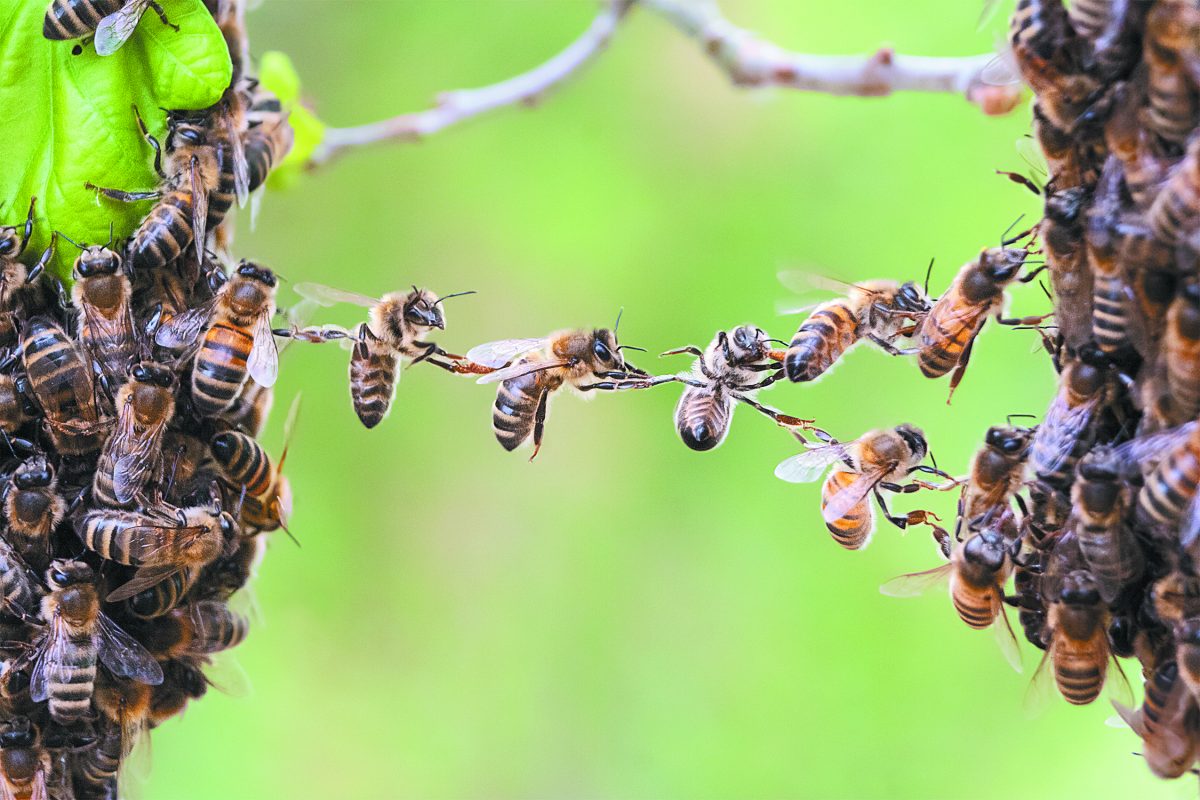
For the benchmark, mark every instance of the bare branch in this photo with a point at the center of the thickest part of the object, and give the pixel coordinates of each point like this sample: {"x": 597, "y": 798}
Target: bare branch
{"x": 748, "y": 60}
{"x": 462, "y": 104}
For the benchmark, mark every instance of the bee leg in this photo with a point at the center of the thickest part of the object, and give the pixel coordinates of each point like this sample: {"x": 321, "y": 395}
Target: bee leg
{"x": 539, "y": 423}
{"x": 899, "y": 522}
{"x": 690, "y": 349}
{"x": 891, "y": 349}
{"x": 36, "y": 270}
{"x": 162, "y": 15}
{"x": 123, "y": 196}
{"x": 935, "y": 471}
{"x": 960, "y": 369}
{"x": 785, "y": 420}
{"x": 28, "y": 226}
{"x": 1033, "y": 320}
{"x": 150, "y": 140}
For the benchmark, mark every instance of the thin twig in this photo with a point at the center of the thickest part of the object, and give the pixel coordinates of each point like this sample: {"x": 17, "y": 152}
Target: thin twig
{"x": 748, "y": 60}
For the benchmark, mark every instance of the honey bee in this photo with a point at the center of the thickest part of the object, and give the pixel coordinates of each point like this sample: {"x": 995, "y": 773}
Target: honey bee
{"x": 1048, "y": 53}
{"x": 1176, "y": 208}
{"x": 132, "y": 454}
{"x": 878, "y": 460}
{"x": 103, "y": 295}
{"x": 530, "y": 370}
{"x": 33, "y": 509}
{"x": 14, "y": 275}
{"x": 1168, "y": 736}
{"x": 197, "y": 629}
{"x": 728, "y": 370}
{"x": 265, "y": 498}
{"x": 19, "y": 588}
{"x": 1067, "y": 430}
{"x": 1170, "y": 460}
{"x": 182, "y": 456}
{"x": 1181, "y": 353}
{"x": 977, "y": 571}
{"x": 61, "y": 382}
{"x": 15, "y": 406}
{"x": 1112, "y": 297}
{"x": 1077, "y": 628}
{"x": 1061, "y": 230}
{"x": 996, "y": 474}
{"x": 879, "y": 311}
{"x": 266, "y": 144}
{"x": 1128, "y": 139}
{"x": 237, "y": 342}
{"x": 124, "y": 708}
{"x": 25, "y": 765}
{"x": 182, "y": 681}
{"x": 1173, "y": 110}
{"x": 79, "y": 636}
{"x": 113, "y": 21}
{"x": 948, "y": 331}
{"x": 1101, "y": 497}
{"x": 158, "y": 545}
{"x": 398, "y": 323}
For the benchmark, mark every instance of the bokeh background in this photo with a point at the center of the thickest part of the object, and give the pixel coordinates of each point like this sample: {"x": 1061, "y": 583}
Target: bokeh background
{"x": 624, "y": 617}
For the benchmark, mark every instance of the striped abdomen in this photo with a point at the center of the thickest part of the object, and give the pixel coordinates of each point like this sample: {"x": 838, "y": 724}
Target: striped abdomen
{"x": 515, "y": 408}
{"x": 1110, "y": 310}
{"x": 164, "y": 595}
{"x": 1182, "y": 345}
{"x": 99, "y": 764}
{"x": 1171, "y": 486}
{"x": 854, "y": 529}
{"x": 220, "y": 370}
{"x": 72, "y": 678}
{"x": 1077, "y": 671}
{"x": 17, "y": 584}
{"x": 1173, "y": 109}
{"x": 165, "y": 231}
{"x": 1167, "y": 743}
{"x": 822, "y": 338}
{"x": 976, "y": 608}
{"x": 1039, "y": 30}
{"x": 1112, "y": 557}
{"x": 702, "y": 417}
{"x": 124, "y": 537}
{"x": 1176, "y": 208}
{"x": 221, "y": 196}
{"x": 62, "y": 384}
{"x": 71, "y": 19}
{"x": 947, "y": 331}
{"x": 244, "y": 460}
{"x": 265, "y": 145}
{"x": 1089, "y": 17}
{"x": 103, "y": 489}
{"x": 114, "y": 352}
{"x": 12, "y": 405}
{"x": 374, "y": 370}
{"x": 215, "y": 627}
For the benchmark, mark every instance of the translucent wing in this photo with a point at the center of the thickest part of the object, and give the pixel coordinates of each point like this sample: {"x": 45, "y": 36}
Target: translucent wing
{"x": 115, "y": 29}
{"x": 50, "y": 653}
{"x": 518, "y": 370}
{"x": 241, "y": 170}
{"x": 1058, "y": 435}
{"x": 132, "y": 469}
{"x": 182, "y": 330}
{"x": 803, "y": 282}
{"x": 224, "y": 673}
{"x": 263, "y": 363}
{"x": 1041, "y": 688}
{"x": 503, "y": 352}
{"x": 124, "y": 656}
{"x": 327, "y": 295}
{"x": 845, "y": 500}
{"x": 917, "y": 583}
{"x": 1029, "y": 151}
{"x": 143, "y": 579}
{"x": 1116, "y": 684}
{"x": 1006, "y": 640}
{"x": 810, "y": 465}
{"x": 199, "y": 209}
{"x": 1002, "y": 70}
{"x": 1148, "y": 450}
{"x": 1189, "y": 530}
{"x": 102, "y": 329}
{"x": 987, "y": 13}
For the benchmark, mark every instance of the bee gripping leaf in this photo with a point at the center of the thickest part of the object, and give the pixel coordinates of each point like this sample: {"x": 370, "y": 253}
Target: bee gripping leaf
{"x": 68, "y": 117}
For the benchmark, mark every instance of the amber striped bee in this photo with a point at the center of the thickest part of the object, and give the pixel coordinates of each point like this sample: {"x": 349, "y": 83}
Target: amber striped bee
{"x": 1181, "y": 354}
{"x": 729, "y": 370}
{"x": 197, "y": 629}
{"x": 1101, "y": 498}
{"x": 877, "y": 461}
{"x": 1171, "y": 55}
{"x": 133, "y": 453}
{"x": 265, "y": 494}
{"x": 124, "y": 708}
{"x": 113, "y": 21}
{"x": 1112, "y": 298}
{"x": 102, "y": 294}
{"x": 1176, "y": 208}
{"x": 1169, "y": 742}
{"x": 878, "y": 311}
{"x": 237, "y": 342}
{"x": 25, "y": 766}
{"x": 14, "y": 275}
{"x": 1049, "y": 55}
{"x": 33, "y": 509}
{"x": 530, "y": 370}
{"x": 1067, "y": 429}
{"x": 61, "y": 382}
{"x": 1077, "y": 623}
{"x": 79, "y": 636}
{"x": 399, "y": 321}
{"x": 996, "y": 474}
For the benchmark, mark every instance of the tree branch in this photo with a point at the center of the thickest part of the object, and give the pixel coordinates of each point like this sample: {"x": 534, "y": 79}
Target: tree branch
{"x": 749, "y": 61}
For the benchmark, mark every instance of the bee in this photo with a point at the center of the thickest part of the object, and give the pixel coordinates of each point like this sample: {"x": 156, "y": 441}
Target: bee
{"x": 1077, "y": 627}
{"x": 879, "y": 311}
{"x": 1128, "y": 139}
{"x": 103, "y": 295}
{"x": 1101, "y": 497}
{"x": 266, "y": 144}
{"x": 729, "y": 369}
{"x": 14, "y": 275}
{"x": 1067, "y": 430}
{"x": 61, "y": 382}
{"x": 113, "y": 21}
{"x": 25, "y": 765}
{"x": 1181, "y": 353}
{"x": 1173, "y": 110}
{"x": 996, "y": 474}
{"x": 79, "y": 636}
{"x": 132, "y": 454}
{"x": 197, "y": 629}
{"x": 948, "y": 331}
{"x": 1048, "y": 53}
{"x": 265, "y": 495}
{"x": 1164, "y": 722}
{"x": 1170, "y": 461}
{"x": 33, "y": 509}
{"x": 182, "y": 456}
{"x": 158, "y": 545}
{"x": 15, "y": 406}
{"x": 1061, "y": 230}
{"x": 530, "y": 370}
{"x": 182, "y": 681}
{"x": 237, "y": 342}
{"x": 877, "y": 460}
{"x": 1176, "y": 208}
{"x": 977, "y": 571}
{"x": 1031, "y": 611}
{"x": 398, "y": 323}
{"x": 124, "y": 708}
{"x": 1113, "y": 31}
{"x": 1111, "y": 296}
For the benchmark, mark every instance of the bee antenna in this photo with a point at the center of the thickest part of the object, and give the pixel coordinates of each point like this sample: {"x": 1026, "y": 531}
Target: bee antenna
{"x": 1011, "y": 417}
{"x": 69, "y": 239}
{"x": 778, "y": 341}
{"x": 1046, "y": 291}
{"x": 928, "y": 272}
{"x": 631, "y": 347}
{"x": 1005, "y": 241}
{"x": 110, "y": 236}
{"x": 617, "y": 324}
{"x": 456, "y": 294}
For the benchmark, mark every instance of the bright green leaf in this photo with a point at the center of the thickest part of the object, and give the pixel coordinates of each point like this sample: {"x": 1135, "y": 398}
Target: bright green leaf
{"x": 277, "y": 75}
{"x": 68, "y": 118}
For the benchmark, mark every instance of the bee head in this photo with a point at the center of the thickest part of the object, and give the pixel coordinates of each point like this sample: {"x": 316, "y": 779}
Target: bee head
{"x": 422, "y": 308}
{"x": 1079, "y": 589}
{"x": 747, "y": 343}
{"x": 1002, "y": 265}
{"x": 1007, "y": 439}
{"x": 35, "y": 473}
{"x": 65, "y": 572}
{"x": 910, "y": 297}
{"x": 256, "y": 272}
{"x": 97, "y": 260}
{"x": 18, "y": 732}
{"x": 10, "y": 241}
{"x": 987, "y": 549}
{"x": 154, "y": 374}
{"x": 914, "y": 439}
{"x": 604, "y": 351}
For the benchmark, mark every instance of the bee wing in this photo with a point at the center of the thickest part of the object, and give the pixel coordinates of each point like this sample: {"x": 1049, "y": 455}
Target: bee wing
{"x": 917, "y": 583}
{"x": 1031, "y": 154}
{"x": 182, "y": 330}
{"x": 847, "y": 498}
{"x": 517, "y": 370}
{"x": 49, "y": 653}
{"x": 503, "y": 352}
{"x": 37, "y": 789}
{"x": 143, "y": 579}
{"x": 1041, "y": 688}
{"x": 224, "y": 673}
{"x": 1116, "y": 684}
{"x": 1002, "y": 70}
{"x": 124, "y": 656}
{"x": 1006, "y": 640}
{"x": 1148, "y": 450}
{"x": 241, "y": 170}
{"x": 115, "y": 29}
{"x": 199, "y": 209}
{"x": 263, "y": 364}
{"x": 810, "y": 465}
{"x": 117, "y": 329}
{"x": 328, "y": 296}
{"x": 1058, "y": 434}
{"x": 132, "y": 470}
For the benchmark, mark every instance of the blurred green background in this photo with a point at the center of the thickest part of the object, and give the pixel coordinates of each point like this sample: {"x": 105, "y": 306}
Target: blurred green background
{"x": 624, "y": 618}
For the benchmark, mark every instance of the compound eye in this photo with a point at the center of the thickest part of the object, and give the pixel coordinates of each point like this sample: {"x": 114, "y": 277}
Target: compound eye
{"x": 8, "y": 246}
{"x": 228, "y": 527}
{"x": 601, "y": 350}
{"x": 60, "y": 577}
{"x": 742, "y": 338}
{"x": 1011, "y": 445}
{"x": 139, "y": 373}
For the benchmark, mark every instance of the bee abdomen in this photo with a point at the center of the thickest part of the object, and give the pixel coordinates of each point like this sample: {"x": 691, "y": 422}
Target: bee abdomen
{"x": 702, "y": 418}
{"x": 218, "y": 629}
{"x": 1169, "y": 488}
{"x": 71, "y": 19}
{"x": 220, "y": 370}
{"x": 100, "y": 763}
{"x": 941, "y": 347}
{"x": 265, "y": 147}
{"x": 372, "y": 378}
{"x": 72, "y": 680}
{"x": 822, "y": 338}
{"x": 853, "y": 530}
{"x": 974, "y": 610}
{"x": 1109, "y": 313}
{"x": 165, "y": 231}
{"x": 244, "y": 461}
{"x": 514, "y": 410}
{"x": 163, "y": 596}
{"x": 1177, "y": 205}
{"x": 1079, "y": 678}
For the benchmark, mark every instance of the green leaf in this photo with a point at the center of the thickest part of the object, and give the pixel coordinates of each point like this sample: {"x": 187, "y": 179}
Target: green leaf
{"x": 277, "y": 75}
{"x": 68, "y": 118}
